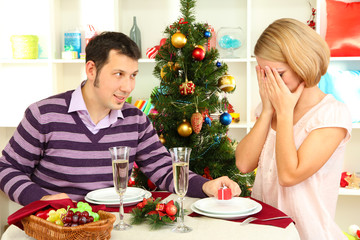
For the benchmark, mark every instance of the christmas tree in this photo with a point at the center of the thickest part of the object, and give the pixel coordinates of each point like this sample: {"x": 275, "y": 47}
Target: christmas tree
{"x": 193, "y": 86}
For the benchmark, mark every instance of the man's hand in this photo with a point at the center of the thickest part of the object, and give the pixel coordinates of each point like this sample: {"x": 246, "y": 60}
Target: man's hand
{"x": 211, "y": 188}
{"x": 55, "y": 197}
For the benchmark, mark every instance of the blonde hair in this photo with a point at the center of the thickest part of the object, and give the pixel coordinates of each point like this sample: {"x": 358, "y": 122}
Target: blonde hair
{"x": 293, "y": 42}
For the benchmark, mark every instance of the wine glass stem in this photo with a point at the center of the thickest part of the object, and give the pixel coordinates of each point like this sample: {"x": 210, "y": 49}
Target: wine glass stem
{"x": 181, "y": 217}
{"x": 121, "y": 210}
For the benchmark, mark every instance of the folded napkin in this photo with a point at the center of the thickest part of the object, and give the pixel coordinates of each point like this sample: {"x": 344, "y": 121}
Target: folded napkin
{"x": 128, "y": 209}
{"x": 266, "y": 212}
{"x": 33, "y": 207}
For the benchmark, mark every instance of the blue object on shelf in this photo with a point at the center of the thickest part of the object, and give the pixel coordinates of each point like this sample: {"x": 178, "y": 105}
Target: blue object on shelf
{"x": 345, "y": 87}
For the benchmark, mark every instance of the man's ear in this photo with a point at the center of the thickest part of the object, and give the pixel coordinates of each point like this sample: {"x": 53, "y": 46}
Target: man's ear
{"x": 90, "y": 69}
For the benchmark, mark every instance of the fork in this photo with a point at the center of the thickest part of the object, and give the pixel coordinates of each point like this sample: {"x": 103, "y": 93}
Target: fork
{"x": 250, "y": 219}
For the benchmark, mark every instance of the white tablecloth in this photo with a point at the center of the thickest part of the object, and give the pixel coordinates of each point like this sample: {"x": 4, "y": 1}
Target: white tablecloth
{"x": 203, "y": 228}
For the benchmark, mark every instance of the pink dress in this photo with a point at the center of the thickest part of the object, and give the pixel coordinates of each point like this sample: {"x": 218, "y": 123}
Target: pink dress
{"x": 311, "y": 203}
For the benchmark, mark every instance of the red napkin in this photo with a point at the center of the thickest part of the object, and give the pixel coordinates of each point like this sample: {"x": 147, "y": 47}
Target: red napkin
{"x": 128, "y": 209}
{"x": 33, "y": 207}
{"x": 266, "y": 212}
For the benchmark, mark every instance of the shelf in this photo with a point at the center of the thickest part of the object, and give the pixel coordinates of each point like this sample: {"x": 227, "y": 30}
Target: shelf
{"x": 233, "y": 60}
{"x": 17, "y": 61}
{"x": 68, "y": 61}
{"x": 238, "y": 125}
{"x": 335, "y": 59}
{"x": 349, "y": 192}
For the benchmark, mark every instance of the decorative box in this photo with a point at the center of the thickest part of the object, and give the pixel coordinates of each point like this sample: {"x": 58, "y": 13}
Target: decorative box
{"x": 224, "y": 193}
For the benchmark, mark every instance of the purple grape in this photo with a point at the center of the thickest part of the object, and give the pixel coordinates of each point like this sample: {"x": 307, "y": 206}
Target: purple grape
{"x": 67, "y": 219}
{"x": 75, "y": 218}
{"x": 74, "y": 225}
{"x": 90, "y": 219}
{"x": 82, "y": 220}
{"x": 70, "y": 213}
{"x": 85, "y": 214}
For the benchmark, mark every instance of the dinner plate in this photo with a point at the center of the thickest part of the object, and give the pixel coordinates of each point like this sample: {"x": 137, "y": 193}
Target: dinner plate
{"x": 117, "y": 203}
{"x": 232, "y": 206}
{"x": 227, "y": 216}
{"x": 110, "y": 195}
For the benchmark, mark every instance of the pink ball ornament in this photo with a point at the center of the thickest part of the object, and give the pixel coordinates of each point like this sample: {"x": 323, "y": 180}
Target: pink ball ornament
{"x": 153, "y": 111}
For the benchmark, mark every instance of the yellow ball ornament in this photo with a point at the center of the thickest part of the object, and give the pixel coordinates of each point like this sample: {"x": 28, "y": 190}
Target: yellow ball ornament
{"x": 227, "y": 83}
{"x": 178, "y": 40}
{"x": 162, "y": 139}
{"x": 184, "y": 129}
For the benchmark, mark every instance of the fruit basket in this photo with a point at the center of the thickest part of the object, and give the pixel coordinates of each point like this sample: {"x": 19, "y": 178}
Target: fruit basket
{"x": 41, "y": 229}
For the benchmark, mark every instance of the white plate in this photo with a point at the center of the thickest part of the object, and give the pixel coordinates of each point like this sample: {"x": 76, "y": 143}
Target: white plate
{"x": 110, "y": 195}
{"x": 228, "y": 216}
{"x": 116, "y": 203}
{"x": 231, "y": 206}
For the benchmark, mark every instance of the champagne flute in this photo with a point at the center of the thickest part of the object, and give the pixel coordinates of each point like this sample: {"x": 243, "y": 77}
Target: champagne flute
{"x": 180, "y": 161}
{"x": 120, "y": 166}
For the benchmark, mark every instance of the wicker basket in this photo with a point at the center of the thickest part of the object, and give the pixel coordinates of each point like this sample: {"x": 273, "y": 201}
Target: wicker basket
{"x": 41, "y": 229}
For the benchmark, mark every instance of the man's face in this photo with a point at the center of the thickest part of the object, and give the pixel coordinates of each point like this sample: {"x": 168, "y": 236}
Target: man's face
{"x": 115, "y": 81}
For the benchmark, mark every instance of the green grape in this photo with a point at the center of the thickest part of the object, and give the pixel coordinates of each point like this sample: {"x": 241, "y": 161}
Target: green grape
{"x": 61, "y": 211}
{"x": 96, "y": 217}
{"x": 88, "y": 208}
{"x": 52, "y": 212}
{"x": 53, "y": 217}
{"x": 80, "y": 204}
{"x": 59, "y": 222}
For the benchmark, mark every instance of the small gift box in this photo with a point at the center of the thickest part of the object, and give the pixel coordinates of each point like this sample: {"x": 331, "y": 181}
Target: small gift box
{"x": 224, "y": 193}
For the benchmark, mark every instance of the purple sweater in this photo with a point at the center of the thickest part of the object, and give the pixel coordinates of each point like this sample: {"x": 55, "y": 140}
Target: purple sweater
{"x": 52, "y": 151}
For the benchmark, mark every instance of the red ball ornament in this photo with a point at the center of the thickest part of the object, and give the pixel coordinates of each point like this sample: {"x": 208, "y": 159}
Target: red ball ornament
{"x": 198, "y": 54}
{"x": 170, "y": 209}
{"x": 188, "y": 87}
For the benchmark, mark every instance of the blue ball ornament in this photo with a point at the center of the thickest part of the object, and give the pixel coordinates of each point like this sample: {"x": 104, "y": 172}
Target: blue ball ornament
{"x": 218, "y": 64}
{"x": 225, "y": 118}
{"x": 207, "y": 34}
{"x": 208, "y": 121}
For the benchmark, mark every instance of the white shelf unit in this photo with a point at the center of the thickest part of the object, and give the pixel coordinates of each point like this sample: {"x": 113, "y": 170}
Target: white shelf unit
{"x": 26, "y": 81}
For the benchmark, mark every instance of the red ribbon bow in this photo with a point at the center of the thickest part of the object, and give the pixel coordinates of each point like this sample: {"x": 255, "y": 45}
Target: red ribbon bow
{"x": 181, "y": 21}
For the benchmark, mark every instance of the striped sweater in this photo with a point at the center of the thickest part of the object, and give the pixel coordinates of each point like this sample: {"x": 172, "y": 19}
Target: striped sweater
{"x": 52, "y": 151}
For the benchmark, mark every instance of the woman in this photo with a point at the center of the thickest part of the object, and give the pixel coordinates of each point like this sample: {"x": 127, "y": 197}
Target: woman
{"x": 298, "y": 141}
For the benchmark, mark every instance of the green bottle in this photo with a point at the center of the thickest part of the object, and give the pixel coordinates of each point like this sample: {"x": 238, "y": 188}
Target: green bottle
{"x": 135, "y": 34}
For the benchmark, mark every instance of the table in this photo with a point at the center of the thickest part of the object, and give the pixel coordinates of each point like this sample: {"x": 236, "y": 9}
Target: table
{"x": 203, "y": 228}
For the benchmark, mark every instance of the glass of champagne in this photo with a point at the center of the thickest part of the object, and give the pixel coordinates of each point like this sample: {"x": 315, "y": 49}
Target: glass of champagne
{"x": 180, "y": 161}
{"x": 120, "y": 166}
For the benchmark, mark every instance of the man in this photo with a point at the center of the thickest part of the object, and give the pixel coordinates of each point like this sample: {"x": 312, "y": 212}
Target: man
{"x": 60, "y": 148}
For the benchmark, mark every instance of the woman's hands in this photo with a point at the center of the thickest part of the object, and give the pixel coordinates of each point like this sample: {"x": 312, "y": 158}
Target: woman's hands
{"x": 266, "y": 103}
{"x": 275, "y": 93}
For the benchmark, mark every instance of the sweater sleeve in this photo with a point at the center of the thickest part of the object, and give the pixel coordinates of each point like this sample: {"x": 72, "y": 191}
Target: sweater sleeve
{"x": 19, "y": 160}
{"x": 155, "y": 162}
